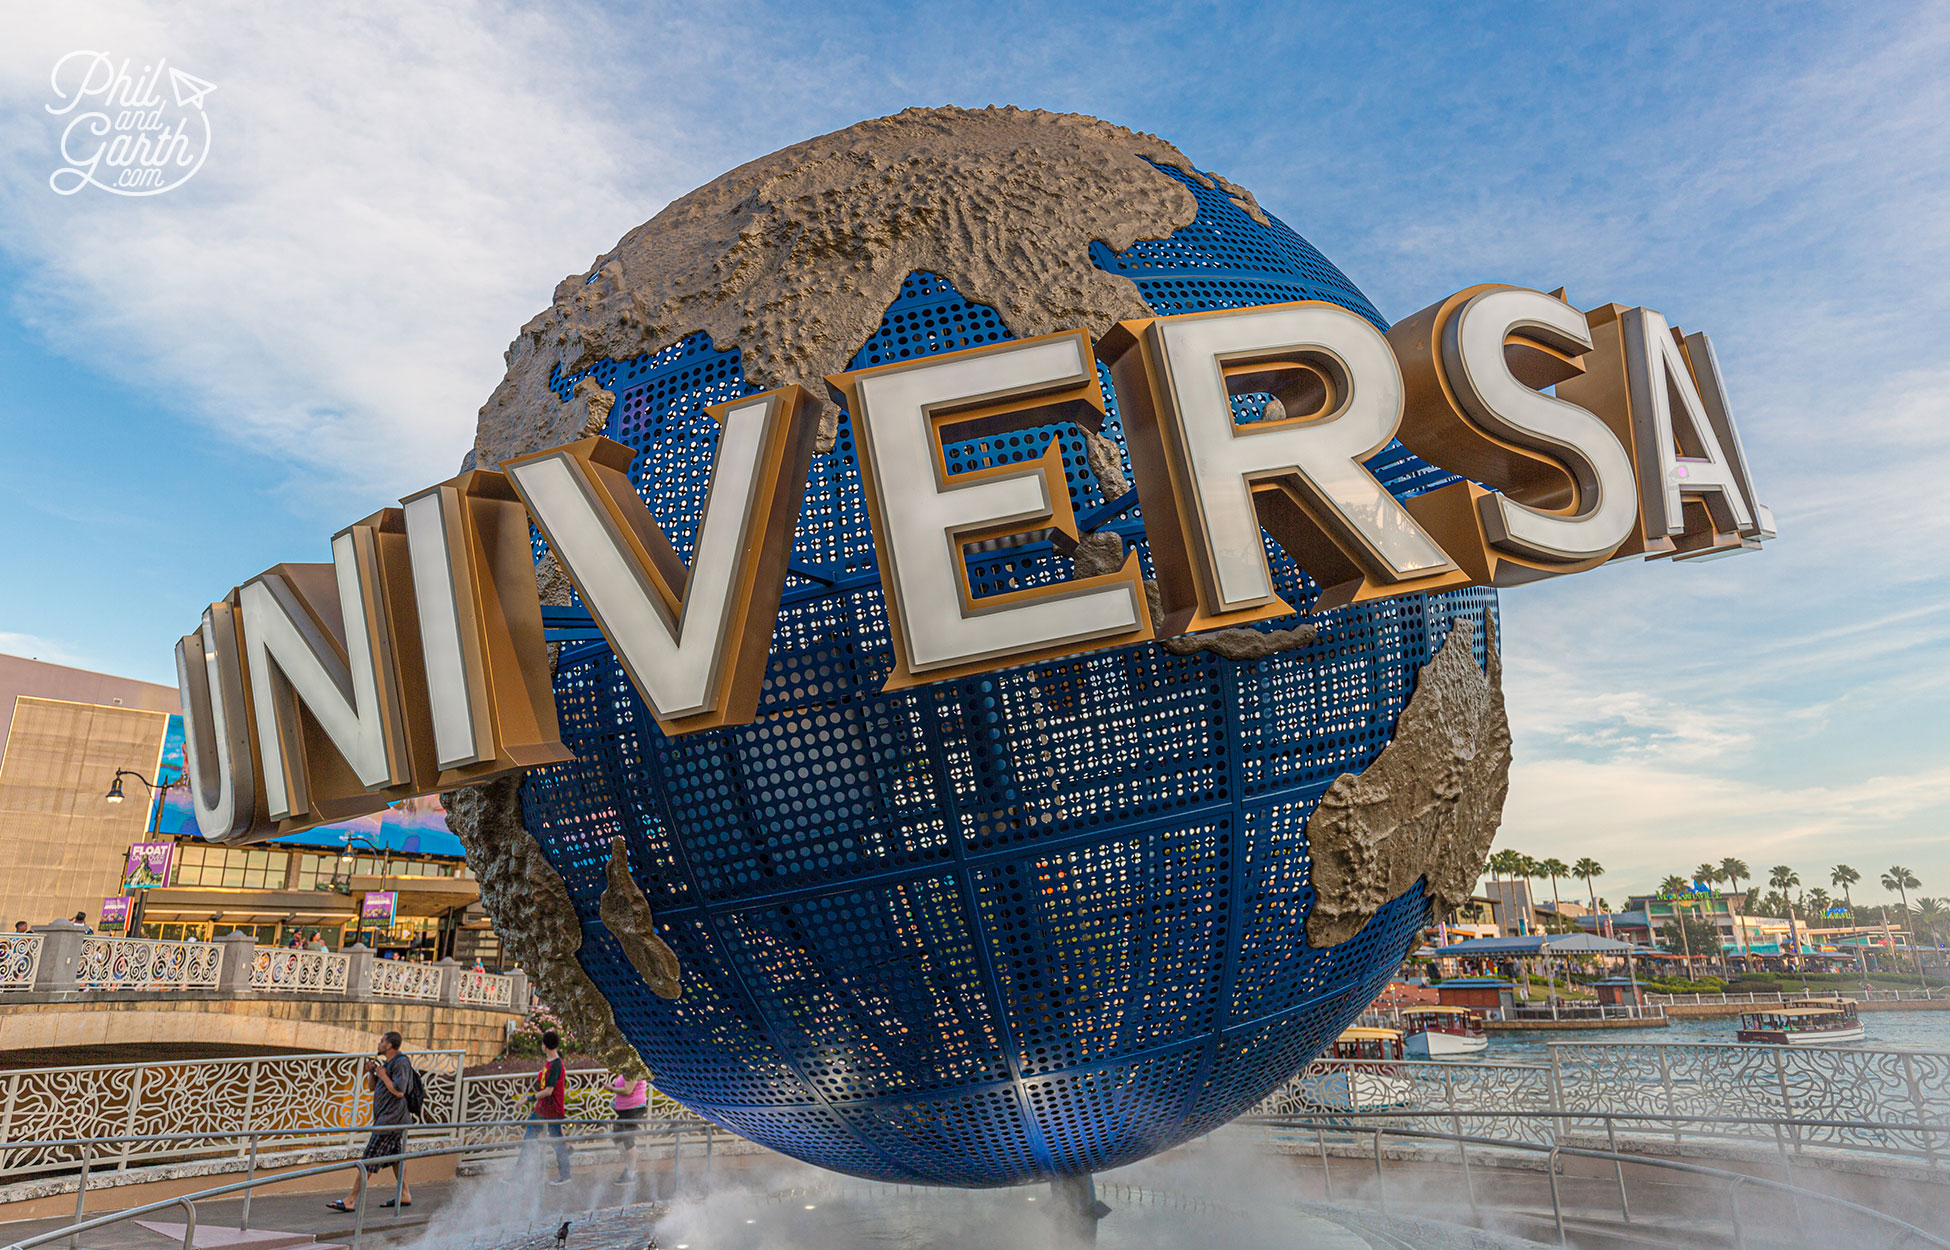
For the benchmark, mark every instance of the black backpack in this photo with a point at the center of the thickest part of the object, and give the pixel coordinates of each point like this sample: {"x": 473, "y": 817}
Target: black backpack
{"x": 415, "y": 1092}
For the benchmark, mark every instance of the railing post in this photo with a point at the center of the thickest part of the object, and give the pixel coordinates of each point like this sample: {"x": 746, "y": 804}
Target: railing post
{"x": 450, "y": 971}
{"x": 81, "y": 1194}
{"x": 60, "y": 956}
{"x": 234, "y": 971}
{"x": 1557, "y": 1205}
{"x": 250, "y": 1174}
{"x": 1618, "y": 1169}
{"x": 1326, "y": 1174}
{"x": 358, "y": 971}
{"x": 1380, "y": 1182}
{"x": 1921, "y": 1113}
{"x": 1733, "y": 1209}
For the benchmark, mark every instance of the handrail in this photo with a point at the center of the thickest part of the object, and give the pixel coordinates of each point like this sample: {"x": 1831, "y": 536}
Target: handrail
{"x": 1554, "y": 1152}
{"x": 379, "y": 1161}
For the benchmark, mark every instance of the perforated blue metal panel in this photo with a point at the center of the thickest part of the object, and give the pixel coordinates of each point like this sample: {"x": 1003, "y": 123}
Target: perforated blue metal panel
{"x": 993, "y": 930}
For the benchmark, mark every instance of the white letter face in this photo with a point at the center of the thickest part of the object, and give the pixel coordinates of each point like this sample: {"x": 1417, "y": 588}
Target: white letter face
{"x": 1479, "y": 374}
{"x": 463, "y": 731}
{"x": 1223, "y": 459}
{"x": 219, "y": 763}
{"x": 293, "y": 659}
{"x": 927, "y": 515}
{"x": 676, "y": 653}
{"x": 1657, "y": 375}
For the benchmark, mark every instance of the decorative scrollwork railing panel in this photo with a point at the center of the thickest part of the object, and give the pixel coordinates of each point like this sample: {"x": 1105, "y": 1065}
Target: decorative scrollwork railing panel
{"x": 511, "y": 1096}
{"x": 1327, "y": 1086}
{"x": 328, "y": 1092}
{"x": 283, "y": 970}
{"x": 397, "y": 978}
{"x": 485, "y": 989}
{"x": 20, "y": 959}
{"x": 146, "y": 964}
{"x": 1720, "y": 1081}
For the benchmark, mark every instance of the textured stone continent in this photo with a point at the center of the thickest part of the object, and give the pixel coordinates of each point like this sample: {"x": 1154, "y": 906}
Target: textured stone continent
{"x": 626, "y": 914}
{"x": 529, "y": 906}
{"x": 794, "y": 257}
{"x": 1428, "y": 805}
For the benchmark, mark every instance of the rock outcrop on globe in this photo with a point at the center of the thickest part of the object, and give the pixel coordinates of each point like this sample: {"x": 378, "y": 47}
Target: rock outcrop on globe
{"x": 525, "y": 898}
{"x": 626, "y": 914}
{"x": 1427, "y": 807}
{"x": 794, "y": 257}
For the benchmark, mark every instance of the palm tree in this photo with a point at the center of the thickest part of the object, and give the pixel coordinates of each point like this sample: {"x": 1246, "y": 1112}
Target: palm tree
{"x": 1783, "y": 879}
{"x": 1902, "y": 880}
{"x": 1931, "y": 912}
{"x": 1733, "y": 871}
{"x": 1707, "y": 874}
{"x": 1673, "y": 887}
{"x": 1527, "y": 869}
{"x": 1554, "y": 868}
{"x": 1506, "y": 862}
{"x": 1585, "y": 869}
{"x": 1841, "y": 876}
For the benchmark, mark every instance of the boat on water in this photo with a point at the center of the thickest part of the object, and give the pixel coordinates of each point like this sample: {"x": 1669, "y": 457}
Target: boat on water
{"x": 1365, "y": 1076}
{"x": 1804, "y": 1022}
{"x": 1437, "y": 1032}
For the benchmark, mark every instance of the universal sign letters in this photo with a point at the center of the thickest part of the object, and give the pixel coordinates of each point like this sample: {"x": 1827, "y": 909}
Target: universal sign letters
{"x": 415, "y": 660}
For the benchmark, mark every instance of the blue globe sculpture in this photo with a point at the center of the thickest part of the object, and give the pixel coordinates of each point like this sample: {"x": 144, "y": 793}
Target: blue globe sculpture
{"x": 998, "y": 930}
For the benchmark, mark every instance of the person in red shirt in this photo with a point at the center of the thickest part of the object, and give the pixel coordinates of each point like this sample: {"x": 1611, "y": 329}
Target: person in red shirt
{"x": 551, "y": 1108}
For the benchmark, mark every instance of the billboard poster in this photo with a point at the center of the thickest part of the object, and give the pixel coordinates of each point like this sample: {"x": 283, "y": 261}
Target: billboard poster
{"x": 378, "y": 908}
{"x": 410, "y": 826}
{"x": 148, "y": 865}
{"x": 115, "y": 915}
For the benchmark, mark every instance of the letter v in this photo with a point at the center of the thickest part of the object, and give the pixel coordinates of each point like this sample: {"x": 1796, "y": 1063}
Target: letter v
{"x": 694, "y": 641}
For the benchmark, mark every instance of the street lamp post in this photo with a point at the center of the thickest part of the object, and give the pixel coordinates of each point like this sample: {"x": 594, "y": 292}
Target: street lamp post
{"x": 156, "y": 794}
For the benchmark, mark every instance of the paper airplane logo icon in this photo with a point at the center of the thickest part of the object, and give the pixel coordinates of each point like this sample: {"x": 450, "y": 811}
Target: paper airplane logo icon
{"x": 190, "y": 89}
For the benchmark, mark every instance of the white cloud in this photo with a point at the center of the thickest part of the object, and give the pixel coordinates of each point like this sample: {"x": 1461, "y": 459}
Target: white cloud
{"x": 390, "y": 194}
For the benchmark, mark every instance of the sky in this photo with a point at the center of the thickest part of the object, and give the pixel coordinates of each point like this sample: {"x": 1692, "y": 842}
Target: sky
{"x": 199, "y": 384}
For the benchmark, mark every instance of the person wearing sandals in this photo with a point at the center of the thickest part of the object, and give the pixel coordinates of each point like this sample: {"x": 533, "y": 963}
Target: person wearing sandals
{"x": 390, "y": 1076}
{"x": 631, "y": 1102}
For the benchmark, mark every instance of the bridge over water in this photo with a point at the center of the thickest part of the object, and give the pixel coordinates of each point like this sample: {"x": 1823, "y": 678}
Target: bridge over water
{"x": 68, "y": 996}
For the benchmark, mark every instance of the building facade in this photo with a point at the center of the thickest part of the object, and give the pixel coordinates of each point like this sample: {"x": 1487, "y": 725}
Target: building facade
{"x": 68, "y": 733}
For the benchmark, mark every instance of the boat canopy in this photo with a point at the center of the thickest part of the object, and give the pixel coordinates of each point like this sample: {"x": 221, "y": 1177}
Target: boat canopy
{"x": 1445, "y": 1011}
{"x": 1835, "y": 1003}
{"x": 1797, "y": 1013}
{"x": 1365, "y": 1034}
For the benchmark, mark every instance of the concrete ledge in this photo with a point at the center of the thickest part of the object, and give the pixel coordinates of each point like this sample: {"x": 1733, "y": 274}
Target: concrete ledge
{"x": 1542, "y": 1026}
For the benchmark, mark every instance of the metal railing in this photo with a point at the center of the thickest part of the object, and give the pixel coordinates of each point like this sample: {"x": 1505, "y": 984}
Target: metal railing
{"x": 146, "y": 964}
{"x": 20, "y": 960}
{"x": 399, "y": 978}
{"x": 460, "y": 1136}
{"x": 1378, "y": 1137}
{"x": 1779, "y": 996}
{"x": 1556, "y": 1151}
{"x": 289, "y": 970}
{"x": 484, "y": 989}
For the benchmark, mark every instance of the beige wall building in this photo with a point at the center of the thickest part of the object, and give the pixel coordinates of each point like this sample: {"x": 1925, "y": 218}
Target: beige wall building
{"x": 63, "y": 733}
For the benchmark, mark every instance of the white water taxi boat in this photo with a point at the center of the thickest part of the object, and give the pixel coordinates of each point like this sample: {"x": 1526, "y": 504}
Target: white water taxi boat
{"x": 1438, "y": 1032}
{"x": 1804, "y": 1022}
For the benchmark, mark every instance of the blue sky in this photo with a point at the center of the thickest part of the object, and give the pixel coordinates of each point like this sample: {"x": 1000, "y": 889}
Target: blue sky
{"x": 200, "y": 384}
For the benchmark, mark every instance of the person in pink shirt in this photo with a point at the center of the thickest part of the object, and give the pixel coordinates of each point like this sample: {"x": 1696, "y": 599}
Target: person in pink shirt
{"x": 631, "y": 1102}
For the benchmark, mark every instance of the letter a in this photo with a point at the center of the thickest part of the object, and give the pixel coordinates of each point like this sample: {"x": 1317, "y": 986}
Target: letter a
{"x": 695, "y": 641}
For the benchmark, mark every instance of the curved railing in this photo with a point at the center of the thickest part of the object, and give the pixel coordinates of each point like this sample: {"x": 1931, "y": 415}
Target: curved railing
{"x": 20, "y": 960}
{"x": 484, "y": 989}
{"x": 286, "y": 970}
{"x": 146, "y": 964}
{"x": 400, "y": 978}
{"x": 1702, "y": 1227}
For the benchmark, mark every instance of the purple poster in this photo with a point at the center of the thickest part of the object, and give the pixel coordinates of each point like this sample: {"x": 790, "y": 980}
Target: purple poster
{"x": 148, "y": 865}
{"x": 115, "y": 915}
{"x": 378, "y": 908}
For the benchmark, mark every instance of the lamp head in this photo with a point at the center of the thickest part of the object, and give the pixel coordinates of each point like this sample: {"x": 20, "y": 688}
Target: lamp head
{"x": 115, "y": 789}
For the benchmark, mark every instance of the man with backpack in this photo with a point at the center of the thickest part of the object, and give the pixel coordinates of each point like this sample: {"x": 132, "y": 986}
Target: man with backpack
{"x": 551, "y": 1108}
{"x": 397, "y": 1097}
